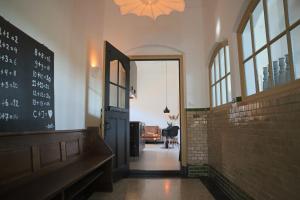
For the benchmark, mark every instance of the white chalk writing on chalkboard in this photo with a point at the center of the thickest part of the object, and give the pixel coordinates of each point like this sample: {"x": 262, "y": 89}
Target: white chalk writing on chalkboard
{"x": 40, "y": 103}
{"x": 39, "y": 75}
{"x": 7, "y": 85}
{"x": 7, "y": 35}
{"x": 50, "y": 126}
{"x": 7, "y": 59}
{"x": 8, "y": 72}
{"x": 42, "y": 55}
{"x": 42, "y": 66}
{"x": 5, "y": 116}
{"x": 8, "y": 47}
{"x": 50, "y": 113}
{"x": 10, "y": 103}
{"x": 42, "y": 114}
{"x": 41, "y": 94}
{"x": 40, "y": 85}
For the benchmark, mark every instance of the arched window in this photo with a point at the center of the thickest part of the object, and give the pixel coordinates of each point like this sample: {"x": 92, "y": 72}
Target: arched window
{"x": 220, "y": 79}
{"x": 269, "y": 45}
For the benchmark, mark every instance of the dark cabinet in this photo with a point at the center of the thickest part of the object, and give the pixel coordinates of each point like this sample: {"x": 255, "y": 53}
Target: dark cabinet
{"x": 136, "y": 143}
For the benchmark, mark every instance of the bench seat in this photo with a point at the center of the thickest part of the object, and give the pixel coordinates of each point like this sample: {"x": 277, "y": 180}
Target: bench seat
{"x": 90, "y": 170}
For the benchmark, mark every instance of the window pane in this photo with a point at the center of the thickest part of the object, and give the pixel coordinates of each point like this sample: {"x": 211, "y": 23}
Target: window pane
{"x": 227, "y": 60}
{"x": 217, "y": 67}
{"x": 114, "y": 71}
{"x": 229, "y": 93}
{"x": 247, "y": 41}
{"x": 224, "y": 93}
{"x": 294, "y": 10}
{"x": 262, "y": 63}
{"x": 213, "y": 92}
{"x": 276, "y": 17}
{"x": 122, "y": 97}
{"x": 259, "y": 26}
{"x": 295, "y": 35}
{"x": 279, "y": 51}
{"x": 218, "y": 94}
{"x": 122, "y": 75}
{"x": 113, "y": 95}
{"x": 250, "y": 78}
{"x": 222, "y": 62}
{"x": 213, "y": 74}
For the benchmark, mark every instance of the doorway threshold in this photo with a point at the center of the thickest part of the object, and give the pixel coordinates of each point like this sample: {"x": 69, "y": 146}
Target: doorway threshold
{"x": 155, "y": 174}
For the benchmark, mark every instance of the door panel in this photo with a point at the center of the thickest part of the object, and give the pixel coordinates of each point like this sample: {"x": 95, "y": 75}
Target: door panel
{"x": 111, "y": 131}
{"x": 116, "y": 108}
{"x": 122, "y": 137}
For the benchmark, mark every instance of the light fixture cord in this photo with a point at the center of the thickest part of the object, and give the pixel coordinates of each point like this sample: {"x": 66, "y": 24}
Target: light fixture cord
{"x": 166, "y": 84}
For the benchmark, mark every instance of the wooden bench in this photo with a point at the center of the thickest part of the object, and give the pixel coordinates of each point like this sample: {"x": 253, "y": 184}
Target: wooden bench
{"x": 54, "y": 165}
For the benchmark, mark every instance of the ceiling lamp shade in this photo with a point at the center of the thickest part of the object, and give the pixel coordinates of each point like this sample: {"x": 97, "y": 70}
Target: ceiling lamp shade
{"x": 166, "y": 110}
{"x": 150, "y": 8}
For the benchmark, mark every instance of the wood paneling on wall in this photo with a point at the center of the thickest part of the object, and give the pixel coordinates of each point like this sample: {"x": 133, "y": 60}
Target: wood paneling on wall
{"x": 22, "y": 155}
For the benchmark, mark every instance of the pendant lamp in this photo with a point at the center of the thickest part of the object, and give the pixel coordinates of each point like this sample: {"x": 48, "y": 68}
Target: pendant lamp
{"x": 150, "y": 8}
{"x": 166, "y": 110}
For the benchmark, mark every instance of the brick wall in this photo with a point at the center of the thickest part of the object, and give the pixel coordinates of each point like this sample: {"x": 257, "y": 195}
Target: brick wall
{"x": 197, "y": 141}
{"x": 256, "y": 145}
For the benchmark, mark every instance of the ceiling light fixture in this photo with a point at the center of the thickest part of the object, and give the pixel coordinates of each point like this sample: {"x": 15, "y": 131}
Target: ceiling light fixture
{"x": 150, "y": 8}
{"x": 166, "y": 110}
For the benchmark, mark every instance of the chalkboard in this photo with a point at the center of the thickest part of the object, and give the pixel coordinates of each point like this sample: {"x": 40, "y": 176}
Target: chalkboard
{"x": 26, "y": 82}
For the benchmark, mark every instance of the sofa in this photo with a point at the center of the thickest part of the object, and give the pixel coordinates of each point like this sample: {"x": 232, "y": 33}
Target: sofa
{"x": 151, "y": 134}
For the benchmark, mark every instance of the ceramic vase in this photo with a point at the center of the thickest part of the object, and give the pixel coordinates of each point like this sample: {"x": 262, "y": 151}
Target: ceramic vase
{"x": 276, "y": 72}
{"x": 282, "y": 73}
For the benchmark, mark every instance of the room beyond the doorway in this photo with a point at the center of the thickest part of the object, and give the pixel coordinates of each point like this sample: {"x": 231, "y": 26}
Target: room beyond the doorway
{"x": 157, "y": 86}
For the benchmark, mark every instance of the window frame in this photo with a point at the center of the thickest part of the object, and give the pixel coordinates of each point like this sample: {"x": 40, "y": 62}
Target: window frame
{"x": 118, "y": 85}
{"x": 247, "y": 17}
{"x": 218, "y": 47}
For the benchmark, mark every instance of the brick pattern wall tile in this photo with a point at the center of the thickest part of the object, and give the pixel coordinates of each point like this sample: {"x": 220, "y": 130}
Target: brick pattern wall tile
{"x": 198, "y": 171}
{"x": 197, "y": 137}
{"x": 256, "y": 145}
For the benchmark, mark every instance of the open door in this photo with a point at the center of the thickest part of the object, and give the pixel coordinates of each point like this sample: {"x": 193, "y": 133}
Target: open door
{"x": 116, "y": 108}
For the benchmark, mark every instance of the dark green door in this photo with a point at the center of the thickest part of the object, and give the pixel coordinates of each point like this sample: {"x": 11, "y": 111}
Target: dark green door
{"x": 116, "y": 108}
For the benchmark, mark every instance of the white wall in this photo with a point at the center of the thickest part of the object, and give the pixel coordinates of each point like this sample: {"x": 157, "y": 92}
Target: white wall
{"x": 73, "y": 30}
{"x": 151, "y": 92}
{"x": 227, "y": 15}
{"x": 174, "y": 34}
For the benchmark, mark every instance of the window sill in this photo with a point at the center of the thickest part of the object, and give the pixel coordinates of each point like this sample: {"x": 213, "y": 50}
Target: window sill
{"x": 277, "y": 91}
{"x": 221, "y": 107}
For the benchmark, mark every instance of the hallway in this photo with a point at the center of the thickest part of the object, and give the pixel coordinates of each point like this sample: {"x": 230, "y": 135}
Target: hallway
{"x": 74, "y": 117}
{"x": 158, "y": 189}
{"x": 154, "y": 157}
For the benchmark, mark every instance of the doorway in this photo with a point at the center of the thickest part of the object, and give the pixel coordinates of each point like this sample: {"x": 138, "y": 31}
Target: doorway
{"x": 115, "y": 124}
{"x": 158, "y": 88}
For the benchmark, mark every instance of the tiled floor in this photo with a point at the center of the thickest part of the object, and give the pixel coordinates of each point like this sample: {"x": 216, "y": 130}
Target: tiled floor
{"x": 156, "y": 158}
{"x": 156, "y": 189}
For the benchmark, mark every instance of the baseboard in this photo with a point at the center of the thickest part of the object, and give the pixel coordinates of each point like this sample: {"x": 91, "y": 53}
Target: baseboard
{"x": 184, "y": 171}
{"x": 154, "y": 174}
{"x": 232, "y": 191}
{"x": 194, "y": 171}
{"x": 154, "y": 142}
{"x": 221, "y": 187}
{"x": 213, "y": 189}
{"x": 120, "y": 173}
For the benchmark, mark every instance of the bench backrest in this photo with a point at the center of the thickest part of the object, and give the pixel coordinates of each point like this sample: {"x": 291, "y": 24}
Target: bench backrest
{"x": 25, "y": 156}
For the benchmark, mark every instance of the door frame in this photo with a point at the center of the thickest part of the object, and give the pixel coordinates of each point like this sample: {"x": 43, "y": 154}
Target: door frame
{"x": 183, "y": 127}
